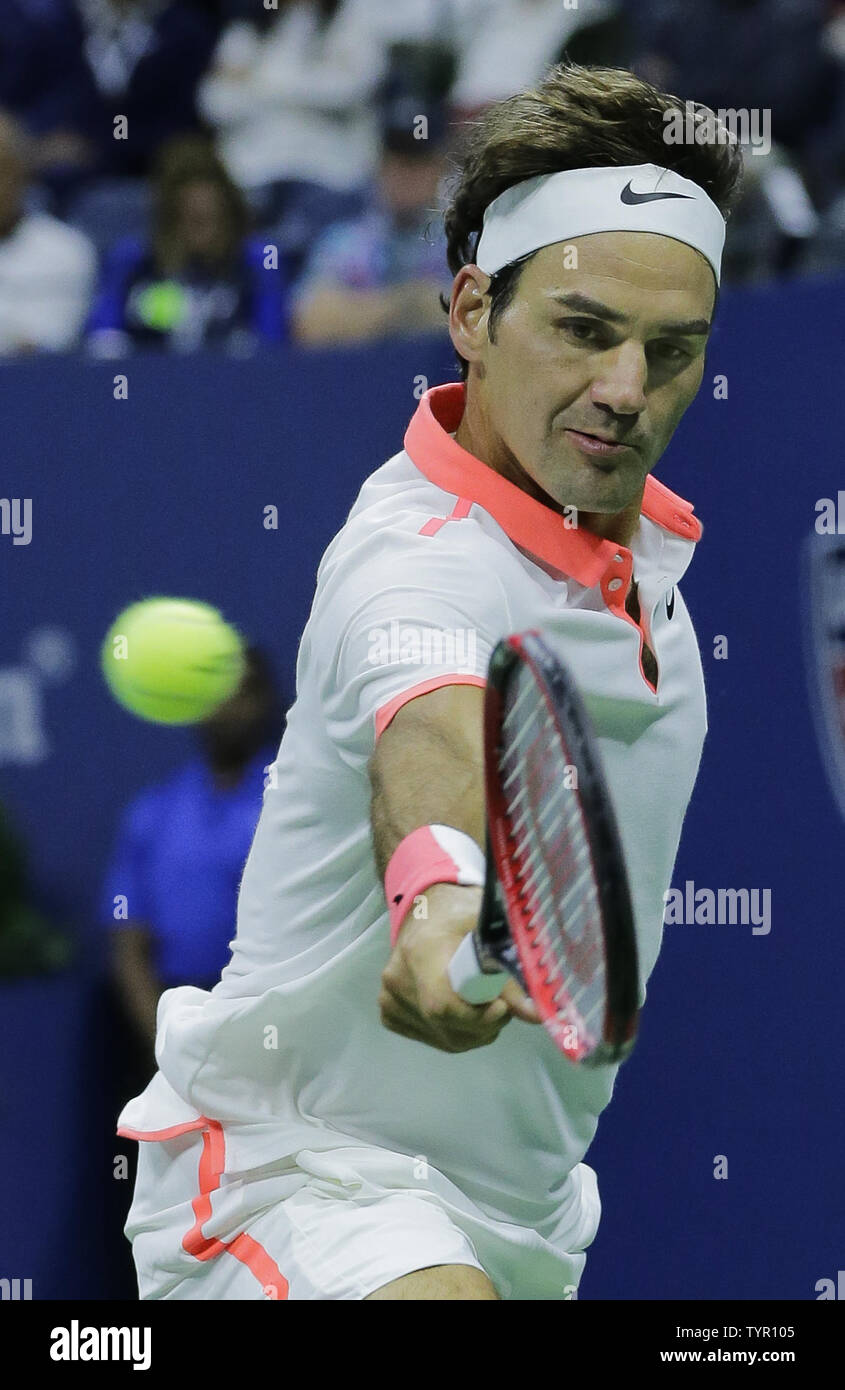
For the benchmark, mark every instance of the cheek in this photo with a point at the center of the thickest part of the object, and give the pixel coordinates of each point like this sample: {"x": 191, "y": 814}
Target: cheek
{"x": 527, "y": 369}
{"x": 530, "y": 379}
{"x": 516, "y": 403}
{"x": 677, "y": 397}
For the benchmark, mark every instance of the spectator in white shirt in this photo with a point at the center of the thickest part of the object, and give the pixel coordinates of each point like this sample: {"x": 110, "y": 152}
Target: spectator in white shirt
{"x": 291, "y": 95}
{"x": 514, "y": 45}
{"x": 380, "y": 275}
{"x": 47, "y": 270}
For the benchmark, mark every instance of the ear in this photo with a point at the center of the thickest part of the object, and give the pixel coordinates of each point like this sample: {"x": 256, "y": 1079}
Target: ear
{"x": 469, "y": 311}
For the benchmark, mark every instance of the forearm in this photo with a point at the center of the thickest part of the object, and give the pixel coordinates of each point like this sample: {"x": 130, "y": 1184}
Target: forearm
{"x": 140, "y": 992}
{"x": 436, "y": 781}
{"x": 136, "y": 981}
{"x": 341, "y": 315}
{"x": 141, "y": 997}
{"x": 428, "y": 769}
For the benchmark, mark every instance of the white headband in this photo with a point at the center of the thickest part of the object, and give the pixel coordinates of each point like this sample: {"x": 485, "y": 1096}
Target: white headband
{"x": 580, "y": 202}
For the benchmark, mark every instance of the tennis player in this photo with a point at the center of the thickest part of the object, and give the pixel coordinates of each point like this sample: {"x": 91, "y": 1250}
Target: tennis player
{"x": 331, "y": 1121}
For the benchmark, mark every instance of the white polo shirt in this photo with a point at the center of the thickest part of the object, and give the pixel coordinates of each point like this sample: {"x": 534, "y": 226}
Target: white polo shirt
{"x": 440, "y": 557}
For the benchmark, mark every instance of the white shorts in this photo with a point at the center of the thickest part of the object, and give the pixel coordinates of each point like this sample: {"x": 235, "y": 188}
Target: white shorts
{"x": 331, "y": 1224}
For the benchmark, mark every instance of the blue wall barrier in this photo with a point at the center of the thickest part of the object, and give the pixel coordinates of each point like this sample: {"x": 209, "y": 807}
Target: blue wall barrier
{"x": 740, "y": 1048}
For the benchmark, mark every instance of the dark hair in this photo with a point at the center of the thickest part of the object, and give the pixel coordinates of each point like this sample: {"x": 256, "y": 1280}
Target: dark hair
{"x": 259, "y": 673}
{"x": 578, "y": 117}
{"x": 259, "y": 679}
{"x": 183, "y": 160}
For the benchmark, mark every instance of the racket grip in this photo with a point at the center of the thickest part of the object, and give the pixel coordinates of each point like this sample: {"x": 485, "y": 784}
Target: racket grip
{"x": 469, "y": 980}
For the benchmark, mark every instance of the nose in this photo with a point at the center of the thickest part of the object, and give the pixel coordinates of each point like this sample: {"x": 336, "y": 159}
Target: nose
{"x": 621, "y": 381}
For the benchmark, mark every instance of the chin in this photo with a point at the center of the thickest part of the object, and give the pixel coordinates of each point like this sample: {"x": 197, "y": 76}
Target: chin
{"x": 605, "y": 487}
{"x": 600, "y": 492}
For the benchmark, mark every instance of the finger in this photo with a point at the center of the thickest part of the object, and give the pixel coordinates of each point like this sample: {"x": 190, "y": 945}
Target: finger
{"x": 517, "y": 1002}
{"x": 397, "y": 1025}
{"x": 485, "y": 1029}
{"x": 442, "y": 1043}
{"x": 461, "y": 1025}
{"x": 495, "y": 1014}
{"x": 397, "y": 1007}
{"x": 431, "y": 1004}
{"x": 451, "y": 1008}
{"x": 415, "y": 1013}
{"x": 482, "y": 1023}
{"x": 441, "y": 1032}
{"x": 469, "y": 1014}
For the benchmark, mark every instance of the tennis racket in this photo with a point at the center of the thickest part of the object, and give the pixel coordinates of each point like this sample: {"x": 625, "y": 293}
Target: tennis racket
{"x": 556, "y": 911}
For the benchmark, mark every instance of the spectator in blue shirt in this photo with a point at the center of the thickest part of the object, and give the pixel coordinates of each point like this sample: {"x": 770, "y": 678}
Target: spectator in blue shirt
{"x": 181, "y": 850}
{"x": 200, "y": 281}
{"x": 68, "y": 68}
{"x": 380, "y": 275}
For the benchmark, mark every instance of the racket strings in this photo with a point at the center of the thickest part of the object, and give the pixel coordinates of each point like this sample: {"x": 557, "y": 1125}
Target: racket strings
{"x": 554, "y": 871}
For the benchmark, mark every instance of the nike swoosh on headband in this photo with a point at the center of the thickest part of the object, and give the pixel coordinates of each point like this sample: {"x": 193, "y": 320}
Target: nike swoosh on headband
{"x": 629, "y": 196}
{"x": 572, "y": 203}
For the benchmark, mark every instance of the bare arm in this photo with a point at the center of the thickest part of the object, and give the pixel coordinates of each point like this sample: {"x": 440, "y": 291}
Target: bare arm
{"x": 427, "y": 768}
{"x": 135, "y": 977}
{"x": 334, "y": 313}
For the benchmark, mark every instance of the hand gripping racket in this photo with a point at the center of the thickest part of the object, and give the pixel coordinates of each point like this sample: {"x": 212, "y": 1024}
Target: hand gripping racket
{"x": 556, "y": 912}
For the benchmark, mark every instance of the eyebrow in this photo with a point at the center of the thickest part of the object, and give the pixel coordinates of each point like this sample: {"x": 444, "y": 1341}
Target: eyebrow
{"x": 596, "y": 309}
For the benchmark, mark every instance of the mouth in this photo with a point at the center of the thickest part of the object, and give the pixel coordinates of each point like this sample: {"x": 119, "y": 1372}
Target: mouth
{"x": 595, "y": 444}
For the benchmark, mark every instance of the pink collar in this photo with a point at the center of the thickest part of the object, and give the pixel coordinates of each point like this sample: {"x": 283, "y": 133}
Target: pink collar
{"x": 530, "y": 524}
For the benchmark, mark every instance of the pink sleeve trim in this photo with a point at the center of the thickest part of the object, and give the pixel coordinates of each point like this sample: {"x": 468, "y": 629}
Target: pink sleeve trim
{"x": 172, "y": 1132}
{"x": 462, "y": 508}
{"x": 392, "y": 708}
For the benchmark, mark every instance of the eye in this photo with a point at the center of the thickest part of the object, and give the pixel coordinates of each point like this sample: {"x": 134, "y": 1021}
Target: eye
{"x": 582, "y": 330}
{"x": 670, "y": 352}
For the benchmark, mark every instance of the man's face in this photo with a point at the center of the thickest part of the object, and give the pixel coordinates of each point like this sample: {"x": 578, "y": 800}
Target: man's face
{"x": 409, "y": 183}
{"x": 618, "y": 360}
{"x": 202, "y": 219}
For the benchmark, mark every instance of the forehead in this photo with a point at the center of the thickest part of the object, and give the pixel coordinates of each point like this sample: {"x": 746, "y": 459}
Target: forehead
{"x": 631, "y": 271}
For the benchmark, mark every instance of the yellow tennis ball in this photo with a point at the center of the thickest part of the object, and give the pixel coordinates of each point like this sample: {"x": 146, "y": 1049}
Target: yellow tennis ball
{"x": 172, "y": 660}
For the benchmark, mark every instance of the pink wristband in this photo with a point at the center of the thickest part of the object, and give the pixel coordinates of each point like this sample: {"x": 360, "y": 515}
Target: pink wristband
{"x": 431, "y": 854}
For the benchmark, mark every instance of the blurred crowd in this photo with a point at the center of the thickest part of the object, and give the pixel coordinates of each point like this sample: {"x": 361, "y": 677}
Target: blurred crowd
{"x": 225, "y": 174}
{"x": 166, "y": 910}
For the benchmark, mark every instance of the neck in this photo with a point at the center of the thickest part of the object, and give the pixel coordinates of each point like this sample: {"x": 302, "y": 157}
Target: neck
{"x": 614, "y": 526}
